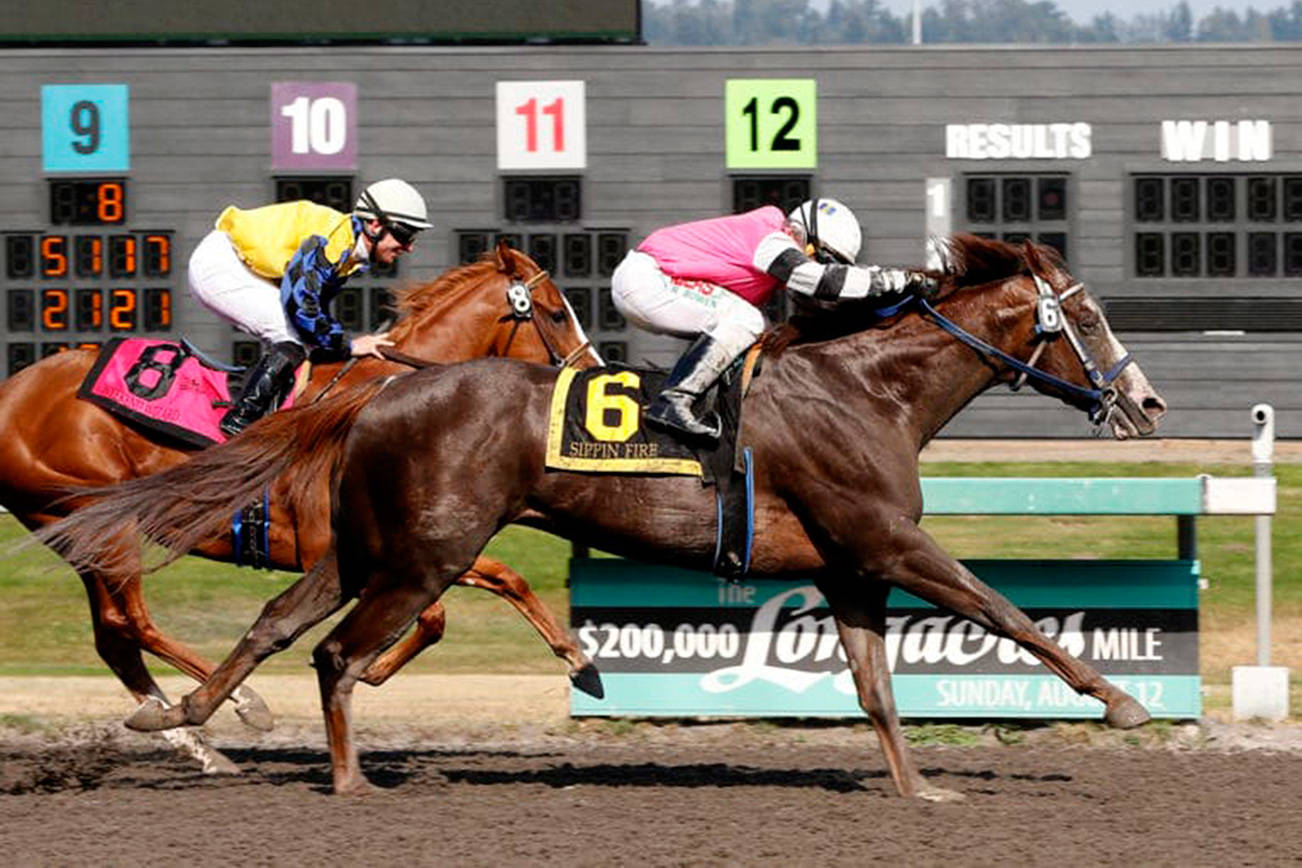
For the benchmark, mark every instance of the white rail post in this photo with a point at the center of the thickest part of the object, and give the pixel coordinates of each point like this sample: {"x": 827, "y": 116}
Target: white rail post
{"x": 1263, "y": 466}
{"x": 1261, "y": 691}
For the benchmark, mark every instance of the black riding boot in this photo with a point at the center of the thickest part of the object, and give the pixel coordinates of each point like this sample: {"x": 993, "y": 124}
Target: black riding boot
{"x": 702, "y": 364}
{"x": 267, "y": 384}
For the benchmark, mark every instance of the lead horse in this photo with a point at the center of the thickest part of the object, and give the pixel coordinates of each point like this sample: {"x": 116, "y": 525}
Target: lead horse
{"x": 435, "y": 464}
{"x": 504, "y": 305}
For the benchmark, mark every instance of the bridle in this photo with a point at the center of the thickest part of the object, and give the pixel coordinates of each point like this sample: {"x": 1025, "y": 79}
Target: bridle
{"x": 1050, "y": 324}
{"x": 519, "y": 297}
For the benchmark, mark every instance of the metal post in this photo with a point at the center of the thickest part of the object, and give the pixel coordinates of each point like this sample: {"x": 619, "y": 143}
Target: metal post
{"x": 917, "y": 22}
{"x": 1263, "y": 462}
{"x": 1186, "y": 537}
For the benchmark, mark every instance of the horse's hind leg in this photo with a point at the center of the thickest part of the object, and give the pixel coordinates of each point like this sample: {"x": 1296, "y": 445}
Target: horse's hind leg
{"x": 303, "y": 604}
{"x": 497, "y": 577}
{"x": 378, "y": 619}
{"x": 130, "y": 600}
{"x": 861, "y": 622}
{"x": 122, "y": 654}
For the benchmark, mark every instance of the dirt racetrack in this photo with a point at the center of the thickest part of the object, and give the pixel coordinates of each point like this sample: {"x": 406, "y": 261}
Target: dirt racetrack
{"x": 491, "y": 771}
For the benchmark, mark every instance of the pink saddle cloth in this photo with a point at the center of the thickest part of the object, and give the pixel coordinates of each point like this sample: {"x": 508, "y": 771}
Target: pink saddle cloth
{"x": 161, "y": 386}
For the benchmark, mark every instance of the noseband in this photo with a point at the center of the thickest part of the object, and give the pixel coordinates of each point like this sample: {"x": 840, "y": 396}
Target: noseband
{"x": 1050, "y": 324}
{"x": 519, "y": 297}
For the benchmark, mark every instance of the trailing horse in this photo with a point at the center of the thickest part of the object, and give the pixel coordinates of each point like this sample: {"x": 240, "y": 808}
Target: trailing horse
{"x": 436, "y": 463}
{"x": 51, "y": 441}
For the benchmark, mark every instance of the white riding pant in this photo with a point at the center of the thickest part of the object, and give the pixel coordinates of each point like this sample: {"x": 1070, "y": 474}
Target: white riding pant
{"x": 653, "y": 300}
{"x": 221, "y": 282}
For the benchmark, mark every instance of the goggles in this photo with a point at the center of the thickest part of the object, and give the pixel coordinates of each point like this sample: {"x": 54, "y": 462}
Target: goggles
{"x": 402, "y": 233}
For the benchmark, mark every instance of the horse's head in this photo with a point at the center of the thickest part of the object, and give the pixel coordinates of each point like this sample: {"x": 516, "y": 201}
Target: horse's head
{"x": 1057, "y": 339}
{"x": 535, "y": 300}
{"x": 502, "y": 305}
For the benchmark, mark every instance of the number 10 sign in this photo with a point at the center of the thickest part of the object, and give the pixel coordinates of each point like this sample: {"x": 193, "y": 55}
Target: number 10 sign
{"x": 541, "y": 125}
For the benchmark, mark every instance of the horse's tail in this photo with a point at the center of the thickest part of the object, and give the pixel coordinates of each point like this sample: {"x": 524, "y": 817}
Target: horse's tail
{"x": 186, "y": 504}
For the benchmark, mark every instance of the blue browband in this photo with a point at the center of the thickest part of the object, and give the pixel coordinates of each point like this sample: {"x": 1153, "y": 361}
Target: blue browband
{"x": 1098, "y": 396}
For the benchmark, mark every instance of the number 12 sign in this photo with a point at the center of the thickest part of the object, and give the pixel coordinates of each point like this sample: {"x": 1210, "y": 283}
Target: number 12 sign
{"x": 541, "y": 125}
{"x": 771, "y": 123}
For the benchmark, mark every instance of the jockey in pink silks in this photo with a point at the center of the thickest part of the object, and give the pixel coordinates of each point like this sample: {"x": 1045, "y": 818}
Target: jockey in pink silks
{"x": 707, "y": 280}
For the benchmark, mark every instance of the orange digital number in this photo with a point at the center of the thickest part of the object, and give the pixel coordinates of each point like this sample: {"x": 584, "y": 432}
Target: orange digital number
{"x": 54, "y": 309}
{"x": 122, "y": 309}
{"x": 158, "y": 255}
{"x": 108, "y": 202}
{"x": 89, "y": 256}
{"x": 158, "y": 309}
{"x": 90, "y": 310}
{"x": 122, "y": 255}
{"x": 54, "y": 256}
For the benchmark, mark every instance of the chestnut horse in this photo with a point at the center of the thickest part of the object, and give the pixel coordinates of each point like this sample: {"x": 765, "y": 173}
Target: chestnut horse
{"x": 49, "y": 440}
{"x": 437, "y": 462}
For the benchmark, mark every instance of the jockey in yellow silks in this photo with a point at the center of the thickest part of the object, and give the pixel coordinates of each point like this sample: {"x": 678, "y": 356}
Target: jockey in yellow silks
{"x": 308, "y": 251}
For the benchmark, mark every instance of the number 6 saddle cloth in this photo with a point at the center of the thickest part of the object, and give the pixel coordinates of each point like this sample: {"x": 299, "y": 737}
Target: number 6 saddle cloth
{"x": 167, "y": 388}
{"x": 595, "y": 425}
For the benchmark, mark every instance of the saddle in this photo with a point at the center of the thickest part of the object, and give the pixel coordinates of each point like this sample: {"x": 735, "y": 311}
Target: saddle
{"x": 168, "y": 388}
{"x": 596, "y": 426}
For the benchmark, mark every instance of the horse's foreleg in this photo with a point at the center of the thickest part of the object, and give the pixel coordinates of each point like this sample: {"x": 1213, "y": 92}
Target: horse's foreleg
{"x": 860, "y": 616}
{"x": 306, "y": 602}
{"x": 376, "y": 622}
{"x": 918, "y": 565}
{"x": 497, "y": 577}
{"x": 430, "y": 624}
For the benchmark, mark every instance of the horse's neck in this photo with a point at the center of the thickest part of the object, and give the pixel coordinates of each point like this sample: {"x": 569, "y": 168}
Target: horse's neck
{"x": 455, "y": 328}
{"x": 925, "y": 374}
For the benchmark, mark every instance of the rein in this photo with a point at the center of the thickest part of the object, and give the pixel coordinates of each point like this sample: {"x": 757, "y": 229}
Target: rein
{"x": 1050, "y": 323}
{"x": 519, "y": 296}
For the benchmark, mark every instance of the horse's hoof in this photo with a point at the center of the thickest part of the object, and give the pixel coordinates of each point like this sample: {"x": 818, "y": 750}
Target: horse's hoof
{"x": 1126, "y": 713}
{"x": 252, "y": 710}
{"x": 154, "y": 715}
{"x": 939, "y": 794}
{"x": 217, "y": 763}
{"x": 358, "y": 786}
{"x": 588, "y": 679}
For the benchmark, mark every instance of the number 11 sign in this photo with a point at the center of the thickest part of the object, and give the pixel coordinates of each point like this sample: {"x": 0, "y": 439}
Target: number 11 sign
{"x": 541, "y": 125}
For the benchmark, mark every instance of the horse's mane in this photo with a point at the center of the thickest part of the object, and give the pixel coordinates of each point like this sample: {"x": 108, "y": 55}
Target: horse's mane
{"x": 976, "y": 261}
{"x": 414, "y": 304}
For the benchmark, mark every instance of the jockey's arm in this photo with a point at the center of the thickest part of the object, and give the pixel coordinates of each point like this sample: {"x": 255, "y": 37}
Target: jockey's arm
{"x": 310, "y": 281}
{"x": 780, "y": 256}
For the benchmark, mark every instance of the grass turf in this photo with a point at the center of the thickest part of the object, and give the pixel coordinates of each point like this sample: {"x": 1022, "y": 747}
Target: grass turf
{"x": 45, "y": 627}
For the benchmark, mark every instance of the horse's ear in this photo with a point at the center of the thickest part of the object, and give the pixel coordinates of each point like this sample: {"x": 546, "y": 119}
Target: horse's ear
{"x": 1033, "y": 259}
{"x": 505, "y": 257}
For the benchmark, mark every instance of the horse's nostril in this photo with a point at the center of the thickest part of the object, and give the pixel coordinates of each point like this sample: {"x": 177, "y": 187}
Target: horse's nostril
{"x": 1154, "y": 406}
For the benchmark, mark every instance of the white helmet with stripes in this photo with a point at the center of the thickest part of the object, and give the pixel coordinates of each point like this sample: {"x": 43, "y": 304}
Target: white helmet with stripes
{"x": 830, "y": 227}
{"x": 393, "y": 200}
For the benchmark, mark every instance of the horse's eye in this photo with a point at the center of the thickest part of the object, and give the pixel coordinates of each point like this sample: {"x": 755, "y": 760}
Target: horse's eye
{"x": 558, "y": 316}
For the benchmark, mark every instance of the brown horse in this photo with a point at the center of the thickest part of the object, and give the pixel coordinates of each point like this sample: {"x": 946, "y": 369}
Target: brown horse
{"x": 438, "y": 462}
{"x": 50, "y": 440}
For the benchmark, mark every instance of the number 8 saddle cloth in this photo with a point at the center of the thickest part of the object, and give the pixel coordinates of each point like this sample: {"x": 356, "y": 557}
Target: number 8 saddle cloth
{"x": 167, "y": 388}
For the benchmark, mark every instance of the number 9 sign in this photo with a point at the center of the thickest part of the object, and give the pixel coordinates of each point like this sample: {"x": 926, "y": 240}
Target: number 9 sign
{"x": 771, "y": 123}
{"x": 541, "y": 125}
{"x": 84, "y": 128}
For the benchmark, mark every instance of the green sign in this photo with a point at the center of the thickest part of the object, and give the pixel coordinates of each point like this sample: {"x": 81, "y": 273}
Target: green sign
{"x": 674, "y": 642}
{"x": 772, "y": 123}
